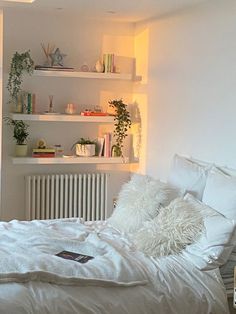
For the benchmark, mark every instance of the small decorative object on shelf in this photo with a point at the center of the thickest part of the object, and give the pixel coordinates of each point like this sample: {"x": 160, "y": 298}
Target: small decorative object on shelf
{"x": 20, "y": 135}
{"x": 42, "y": 151}
{"x": 21, "y": 63}
{"x": 122, "y": 124}
{"x": 70, "y": 109}
{"x": 48, "y": 51}
{"x": 84, "y": 67}
{"x": 59, "y": 151}
{"x": 50, "y": 108}
{"x": 57, "y": 58}
{"x": 41, "y": 143}
{"x": 99, "y": 66}
{"x": 93, "y": 113}
{"x": 84, "y": 147}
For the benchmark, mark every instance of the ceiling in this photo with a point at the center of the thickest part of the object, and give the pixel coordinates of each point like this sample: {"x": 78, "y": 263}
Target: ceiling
{"x": 125, "y": 10}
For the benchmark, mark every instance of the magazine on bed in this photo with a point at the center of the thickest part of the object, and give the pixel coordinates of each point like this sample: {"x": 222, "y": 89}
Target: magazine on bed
{"x": 81, "y": 258}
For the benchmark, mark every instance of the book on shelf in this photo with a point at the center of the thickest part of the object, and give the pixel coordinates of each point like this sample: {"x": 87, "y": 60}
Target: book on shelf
{"x": 107, "y": 145}
{"x": 108, "y": 61}
{"x": 77, "y": 257}
{"x": 88, "y": 113}
{"x": 53, "y": 68}
{"x": 44, "y": 150}
{"x": 43, "y": 155}
{"x": 100, "y": 146}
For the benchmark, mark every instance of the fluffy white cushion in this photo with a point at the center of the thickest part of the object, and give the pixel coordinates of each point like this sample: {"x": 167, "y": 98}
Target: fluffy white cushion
{"x": 215, "y": 244}
{"x": 139, "y": 200}
{"x": 220, "y": 193}
{"x": 188, "y": 176}
{"x": 176, "y": 226}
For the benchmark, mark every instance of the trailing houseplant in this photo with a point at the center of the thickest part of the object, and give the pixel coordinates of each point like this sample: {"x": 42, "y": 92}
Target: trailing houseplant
{"x": 122, "y": 124}
{"x": 85, "y": 147}
{"x": 21, "y": 63}
{"x": 20, "y": 135}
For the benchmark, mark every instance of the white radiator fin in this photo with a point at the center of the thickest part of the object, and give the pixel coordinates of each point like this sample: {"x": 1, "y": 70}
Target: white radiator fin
{"x": 67, "y": 195}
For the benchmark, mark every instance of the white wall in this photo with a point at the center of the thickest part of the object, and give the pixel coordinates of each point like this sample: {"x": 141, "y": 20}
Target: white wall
{"x": 83, "y": 41}
{"x": 190, "y": 85}
{"x": 1, "y": 84}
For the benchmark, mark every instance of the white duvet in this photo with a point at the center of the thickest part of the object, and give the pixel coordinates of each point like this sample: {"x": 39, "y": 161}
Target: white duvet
{"x": 118, "y": 280}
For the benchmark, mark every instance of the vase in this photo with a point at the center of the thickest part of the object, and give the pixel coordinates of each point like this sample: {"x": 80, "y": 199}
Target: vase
{"x": 85, "y": 150}
{"x": 99, "y": 66}
{"x": 21, "y": 150}
{"x": 116, "y": 151}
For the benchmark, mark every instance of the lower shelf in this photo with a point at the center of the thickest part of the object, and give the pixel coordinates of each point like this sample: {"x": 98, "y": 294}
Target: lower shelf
{"x": 70, "y": 160}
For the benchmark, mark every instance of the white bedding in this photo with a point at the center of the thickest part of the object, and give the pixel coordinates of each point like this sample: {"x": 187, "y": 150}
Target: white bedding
{"x": 174, "y": 284}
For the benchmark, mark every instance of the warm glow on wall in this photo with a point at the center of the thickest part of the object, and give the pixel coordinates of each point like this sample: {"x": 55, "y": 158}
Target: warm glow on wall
{"x": 139, "y": 132}
{"x": 140, "y": 99}
{"x": 141, "y": 53}
{"x": 119, "y": 45}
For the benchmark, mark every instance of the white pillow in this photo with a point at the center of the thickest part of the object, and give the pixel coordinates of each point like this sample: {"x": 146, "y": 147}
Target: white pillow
{"x": 139, "y": 200}
{"x": 177, "y": 225}
{"x": 188, "y": 176}
{"x": 216, "y": 244}
{"x": 220, "y": 193}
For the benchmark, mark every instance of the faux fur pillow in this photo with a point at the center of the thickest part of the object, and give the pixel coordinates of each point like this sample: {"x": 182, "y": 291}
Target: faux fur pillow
{"x": 139, "y": 200}
{"x": 176, "y": 226}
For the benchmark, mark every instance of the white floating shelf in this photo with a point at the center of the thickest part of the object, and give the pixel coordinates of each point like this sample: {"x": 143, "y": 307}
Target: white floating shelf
{"x": 88, "y": 75}
{"x": 62, "y": 118}
{"x": 69, "y": 160}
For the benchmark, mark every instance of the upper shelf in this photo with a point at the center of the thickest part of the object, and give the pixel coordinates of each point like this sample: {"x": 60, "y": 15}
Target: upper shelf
{"x": 62, "y": 118}
{"x": 88, "y": 75}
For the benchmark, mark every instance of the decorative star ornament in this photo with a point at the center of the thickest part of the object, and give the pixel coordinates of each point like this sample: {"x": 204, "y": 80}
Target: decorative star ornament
{"x": 57, "y": 58}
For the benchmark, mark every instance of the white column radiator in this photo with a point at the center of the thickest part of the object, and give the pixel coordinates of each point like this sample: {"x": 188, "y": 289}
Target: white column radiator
{"x": 67, "y": 195}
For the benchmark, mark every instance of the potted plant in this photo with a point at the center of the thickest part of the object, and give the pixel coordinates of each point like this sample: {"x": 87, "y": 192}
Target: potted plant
{"x": 20, "y": 134}
{"x": 21, "y": 63}
{"x": 84, "y": 147}
{"x": 122, "y": 124}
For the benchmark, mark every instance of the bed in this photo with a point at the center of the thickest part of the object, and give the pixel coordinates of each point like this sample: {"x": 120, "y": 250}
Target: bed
{"x": 173, "y": 285}
{"x": 142, "y": 262}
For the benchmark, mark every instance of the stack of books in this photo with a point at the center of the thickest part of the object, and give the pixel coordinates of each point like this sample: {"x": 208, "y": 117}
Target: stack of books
{"x": 108, "y": 61}
{"x": 43, "y": 152}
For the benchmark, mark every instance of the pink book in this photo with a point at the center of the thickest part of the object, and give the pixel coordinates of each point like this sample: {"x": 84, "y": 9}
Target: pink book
{"x": 107, "y": 145}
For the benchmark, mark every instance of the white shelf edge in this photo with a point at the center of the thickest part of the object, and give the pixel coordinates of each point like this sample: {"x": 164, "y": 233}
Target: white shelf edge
{"x": 62, "y": 118}
{"x": 88, "y": 75}
{"x": 73, "y": 160}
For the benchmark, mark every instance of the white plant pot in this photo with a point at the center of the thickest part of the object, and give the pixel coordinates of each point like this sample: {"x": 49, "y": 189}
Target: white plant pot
{"x": 86, "y": 150}
{"x": 21, "y": 150}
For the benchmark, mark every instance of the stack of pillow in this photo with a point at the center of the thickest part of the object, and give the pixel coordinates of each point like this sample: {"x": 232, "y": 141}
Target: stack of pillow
{"x": 194, "y": 214}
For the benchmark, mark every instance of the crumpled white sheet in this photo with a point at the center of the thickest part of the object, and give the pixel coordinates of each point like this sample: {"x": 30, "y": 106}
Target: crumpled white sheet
{"x": 28, "y": 249}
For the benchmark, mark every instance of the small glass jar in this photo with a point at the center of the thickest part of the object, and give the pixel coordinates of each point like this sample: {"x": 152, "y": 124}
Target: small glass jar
{"x": 59, "y": 150}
